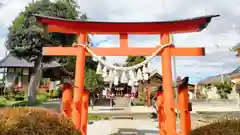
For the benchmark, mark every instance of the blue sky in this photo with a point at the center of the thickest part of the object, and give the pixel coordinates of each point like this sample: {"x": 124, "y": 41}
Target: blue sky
{"x": 223, "y": 31}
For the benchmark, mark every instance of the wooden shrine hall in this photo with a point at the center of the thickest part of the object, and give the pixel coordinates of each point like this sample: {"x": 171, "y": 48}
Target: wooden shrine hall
{"x": 166, "y": 48}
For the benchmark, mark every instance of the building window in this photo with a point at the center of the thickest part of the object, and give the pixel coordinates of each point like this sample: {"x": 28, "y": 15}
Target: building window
{"x": 19, "y": 71}
{"x": 11, "y": 70}
{"x": 25, "y": 71}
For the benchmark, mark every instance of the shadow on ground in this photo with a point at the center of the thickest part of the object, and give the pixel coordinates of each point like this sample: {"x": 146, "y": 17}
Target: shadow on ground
{"x": 111, "y": 109}
{"x": 129, "y": 131}
{"x": 102, "y": 102}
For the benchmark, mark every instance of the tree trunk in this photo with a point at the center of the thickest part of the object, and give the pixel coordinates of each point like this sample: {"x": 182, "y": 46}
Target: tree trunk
{"x": 92, "y": 102}
{"x": 32, "y": 88}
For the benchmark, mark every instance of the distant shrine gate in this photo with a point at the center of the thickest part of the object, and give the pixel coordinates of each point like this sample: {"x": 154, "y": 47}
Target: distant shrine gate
{"x": 166, "y": 105}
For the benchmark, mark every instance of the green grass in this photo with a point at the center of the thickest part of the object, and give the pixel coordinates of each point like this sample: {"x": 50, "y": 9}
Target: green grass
{"x": 96, "y": 117}
{"x": 40, "y": 97}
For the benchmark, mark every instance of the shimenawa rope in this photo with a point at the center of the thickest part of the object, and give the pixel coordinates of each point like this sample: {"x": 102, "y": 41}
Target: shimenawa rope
{"x": 125, "y": 68}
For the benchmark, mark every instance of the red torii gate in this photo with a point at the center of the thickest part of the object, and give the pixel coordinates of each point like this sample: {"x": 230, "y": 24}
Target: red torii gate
{"x": 164, "y": 29}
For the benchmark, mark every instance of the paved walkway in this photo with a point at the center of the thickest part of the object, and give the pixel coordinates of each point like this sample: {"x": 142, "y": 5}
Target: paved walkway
{"x": 123, "y": 127}
{"x": 55, "y": 104}
{"x": 139, "y": 126}
{"x": 143, "y": 109}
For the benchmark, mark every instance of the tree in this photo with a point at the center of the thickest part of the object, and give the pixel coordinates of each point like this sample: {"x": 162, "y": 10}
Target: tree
{"x": 133, "y": 60}
{"x": 26, "y": 37}
{"x": 69, "y": 63}
{"x": 207, "y": 86}
{"x": 224, "y": 89}
{"x": 93, "y": 83}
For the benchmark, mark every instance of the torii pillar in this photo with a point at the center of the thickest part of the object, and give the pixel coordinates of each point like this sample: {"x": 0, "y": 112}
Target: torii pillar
{"x": 164, "y": 29}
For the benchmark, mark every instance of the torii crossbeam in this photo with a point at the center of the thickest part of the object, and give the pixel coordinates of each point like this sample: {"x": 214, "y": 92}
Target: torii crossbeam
{"x": 164, "y": 29}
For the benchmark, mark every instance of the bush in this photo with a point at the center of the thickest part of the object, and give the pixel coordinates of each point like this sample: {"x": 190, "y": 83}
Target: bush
{"x": 34, "y": 121}
{"x": 10, "y": 97}
{"x": 54, "y": 94}
{"x": 40, "y": 98}
{"x": 14, "y": 95}
{"x": 225, "y": 127}
{"x": 3, "y": 102}
{"x": 19, "y": 98}
{"x": 224, "y": 89}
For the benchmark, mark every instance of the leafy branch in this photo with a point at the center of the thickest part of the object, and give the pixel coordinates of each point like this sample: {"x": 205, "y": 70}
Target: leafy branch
{"x": 224, "y": 89}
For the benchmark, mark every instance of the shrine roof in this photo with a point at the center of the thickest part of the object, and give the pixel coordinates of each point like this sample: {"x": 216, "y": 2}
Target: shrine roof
{"x": 13, "y": 61}
{"x": 175, "y": 26}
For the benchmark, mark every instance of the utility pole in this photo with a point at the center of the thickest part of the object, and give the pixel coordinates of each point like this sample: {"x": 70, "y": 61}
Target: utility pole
{"x": 196, "y": 86}
{"x": 175, "y": 79}
{"x": 222, "y": 75}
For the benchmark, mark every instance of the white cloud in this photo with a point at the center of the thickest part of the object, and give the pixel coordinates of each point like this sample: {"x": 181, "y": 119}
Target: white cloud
{"x": 10, "y": 10}
{"x": 2, "y": 48}
{"x": 222, "y": 31}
